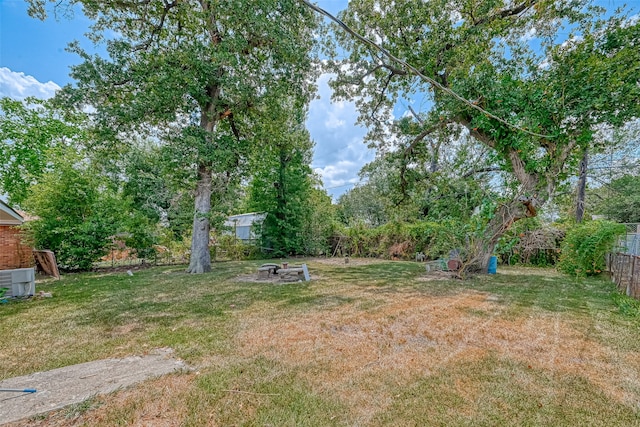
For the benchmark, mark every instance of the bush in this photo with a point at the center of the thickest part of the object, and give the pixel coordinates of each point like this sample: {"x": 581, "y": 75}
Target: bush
{"x": 142, "y": 235}
{"x": 76, "y": 217}
{"x": 403, "y": 240}
{"x": 585, "y": 246}
{"x": 232, "y": 248}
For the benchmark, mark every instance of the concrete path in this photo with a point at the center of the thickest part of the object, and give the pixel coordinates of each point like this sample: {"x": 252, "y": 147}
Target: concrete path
{"x": 74, "y": 384}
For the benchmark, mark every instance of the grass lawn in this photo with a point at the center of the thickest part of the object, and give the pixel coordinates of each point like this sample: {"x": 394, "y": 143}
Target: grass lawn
{"x": 365, "y": 344}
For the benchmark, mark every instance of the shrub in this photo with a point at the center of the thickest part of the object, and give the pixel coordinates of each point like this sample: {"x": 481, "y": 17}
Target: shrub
{"x": 232, "y": 248}
{"x": 585, "y": 246}
{"x": 434, "y": 239}
{"x": 76, "y": 216}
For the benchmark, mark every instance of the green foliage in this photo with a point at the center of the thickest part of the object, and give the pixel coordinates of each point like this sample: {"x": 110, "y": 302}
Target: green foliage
{"x": 142, "y": 231}
{"x": 299, "y": 217}
{"x": 403, "y": 240}
{"x": 529, "y": 242}
{"x": 321, "y": 223}
{"x": 280, "y": 190}
{"x": 228, "y": 246}
{"x": 76, "y": 217}
{"x": 585, "y": 246}
{"x": 77, "y": 199}
{"x": 546, "y": 98}
{"x": 146, "y": 182}
{"x": 198, "y": 76}
{"x": 362, "y": 204}
{"x": 628, "y": 306}
{"x": 620, "y": 200}
{"x": 33, "y": 134}
{"x": 421, "y": 180}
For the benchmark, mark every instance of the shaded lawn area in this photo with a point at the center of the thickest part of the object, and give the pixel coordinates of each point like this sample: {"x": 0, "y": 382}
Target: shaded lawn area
{"x": 367, "y": 344}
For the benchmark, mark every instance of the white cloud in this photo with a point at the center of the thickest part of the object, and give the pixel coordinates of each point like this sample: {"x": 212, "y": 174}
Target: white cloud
{"x": 20, "y": 86}
{"x": 339, "y": 174}
{"x": 529, "y": 35}
{"x": 340, "y": 151}
{"x": 545, "y": 64}
{"x": 572, "y": 42}
{"x": 333, "y": 122}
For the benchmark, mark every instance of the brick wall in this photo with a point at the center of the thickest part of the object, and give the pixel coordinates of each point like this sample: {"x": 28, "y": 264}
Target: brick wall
{"x": 13, "y": 253}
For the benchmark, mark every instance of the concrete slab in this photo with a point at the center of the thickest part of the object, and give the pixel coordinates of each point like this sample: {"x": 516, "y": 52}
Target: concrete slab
{"x": 74, "y": 384}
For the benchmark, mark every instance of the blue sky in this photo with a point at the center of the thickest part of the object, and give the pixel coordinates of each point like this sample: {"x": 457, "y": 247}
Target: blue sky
{"x": 34, "y": 62}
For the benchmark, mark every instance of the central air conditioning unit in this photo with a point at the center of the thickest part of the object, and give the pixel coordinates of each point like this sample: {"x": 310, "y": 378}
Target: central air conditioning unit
{"x": 20, "y": 282}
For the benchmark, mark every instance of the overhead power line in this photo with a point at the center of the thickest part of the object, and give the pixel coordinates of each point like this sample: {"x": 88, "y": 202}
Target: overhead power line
{"x": 417, "y": 72}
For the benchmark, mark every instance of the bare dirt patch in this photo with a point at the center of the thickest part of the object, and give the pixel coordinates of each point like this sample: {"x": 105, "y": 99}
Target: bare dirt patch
{"x": 274, "y": 280}
{"x": 434, "y": 276}
{"x": 340, "y": 261}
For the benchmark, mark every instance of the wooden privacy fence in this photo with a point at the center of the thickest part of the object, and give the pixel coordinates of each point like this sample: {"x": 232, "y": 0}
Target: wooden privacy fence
{"x": 625, "y": 272}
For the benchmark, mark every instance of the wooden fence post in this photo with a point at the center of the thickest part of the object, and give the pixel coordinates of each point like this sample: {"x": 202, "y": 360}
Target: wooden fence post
{"x": 628, "y": 274}
{"x": 634, "y": 289}
{"x": 621, "y": 266}
{"x": 616, "y": 275}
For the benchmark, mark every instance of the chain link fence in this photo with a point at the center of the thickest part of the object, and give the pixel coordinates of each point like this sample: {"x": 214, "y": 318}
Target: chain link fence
{"x": 630, "y": 243}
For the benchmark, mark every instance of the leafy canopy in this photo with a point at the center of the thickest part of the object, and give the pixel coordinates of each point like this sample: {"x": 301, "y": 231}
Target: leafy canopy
{"x": 555, "y": 88}
{"x": 34, "y": 137}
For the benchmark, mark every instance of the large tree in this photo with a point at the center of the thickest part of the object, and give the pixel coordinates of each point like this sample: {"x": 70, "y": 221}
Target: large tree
{"x": 281, "y": 187}
{"x": 199, "y": 68}
{"x": 281, "y": 176}
{"x": 502, "y": 71}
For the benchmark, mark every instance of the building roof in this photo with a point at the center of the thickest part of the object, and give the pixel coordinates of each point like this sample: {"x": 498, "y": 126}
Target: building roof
{"x": 245, "y": 220}
{"x": 8, "y": 216}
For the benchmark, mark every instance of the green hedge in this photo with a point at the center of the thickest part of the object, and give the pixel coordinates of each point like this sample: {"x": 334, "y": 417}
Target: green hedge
{"x": 585, "y": 246}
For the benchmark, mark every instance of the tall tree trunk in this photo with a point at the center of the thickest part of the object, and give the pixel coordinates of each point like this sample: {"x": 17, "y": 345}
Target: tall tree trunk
{"x": 582, "y": 185}
{"x": 480, "y": 248}
{"x": 200, "y": 261}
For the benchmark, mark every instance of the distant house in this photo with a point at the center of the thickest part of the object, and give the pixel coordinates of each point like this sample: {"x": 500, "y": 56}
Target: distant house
{"x": 245, "y": 226}
{"x": 13, "y": 252}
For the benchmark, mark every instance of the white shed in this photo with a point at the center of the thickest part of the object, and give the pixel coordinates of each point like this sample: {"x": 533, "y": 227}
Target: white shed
{"x": 245, "y": 226}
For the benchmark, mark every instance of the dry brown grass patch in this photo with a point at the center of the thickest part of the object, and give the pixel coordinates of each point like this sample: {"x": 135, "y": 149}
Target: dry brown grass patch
{"x": 340, "y": 261}
{"x": 362, "y": 356}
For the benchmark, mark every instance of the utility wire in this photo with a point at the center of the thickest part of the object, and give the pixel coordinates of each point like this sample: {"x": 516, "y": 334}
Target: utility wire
{"x": 417, "y": 72}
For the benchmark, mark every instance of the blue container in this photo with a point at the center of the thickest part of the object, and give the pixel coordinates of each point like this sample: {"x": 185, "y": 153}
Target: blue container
{"x": 493, "y": 265}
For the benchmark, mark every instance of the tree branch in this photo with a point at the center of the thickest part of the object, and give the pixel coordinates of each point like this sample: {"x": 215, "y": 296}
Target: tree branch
{"x": 417, "y": 72}
{"x": 481, "y": 170}
{"x": 156, "y": 28}
{"x": 422, "y": 135}
{"x": 418, "y": 118}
